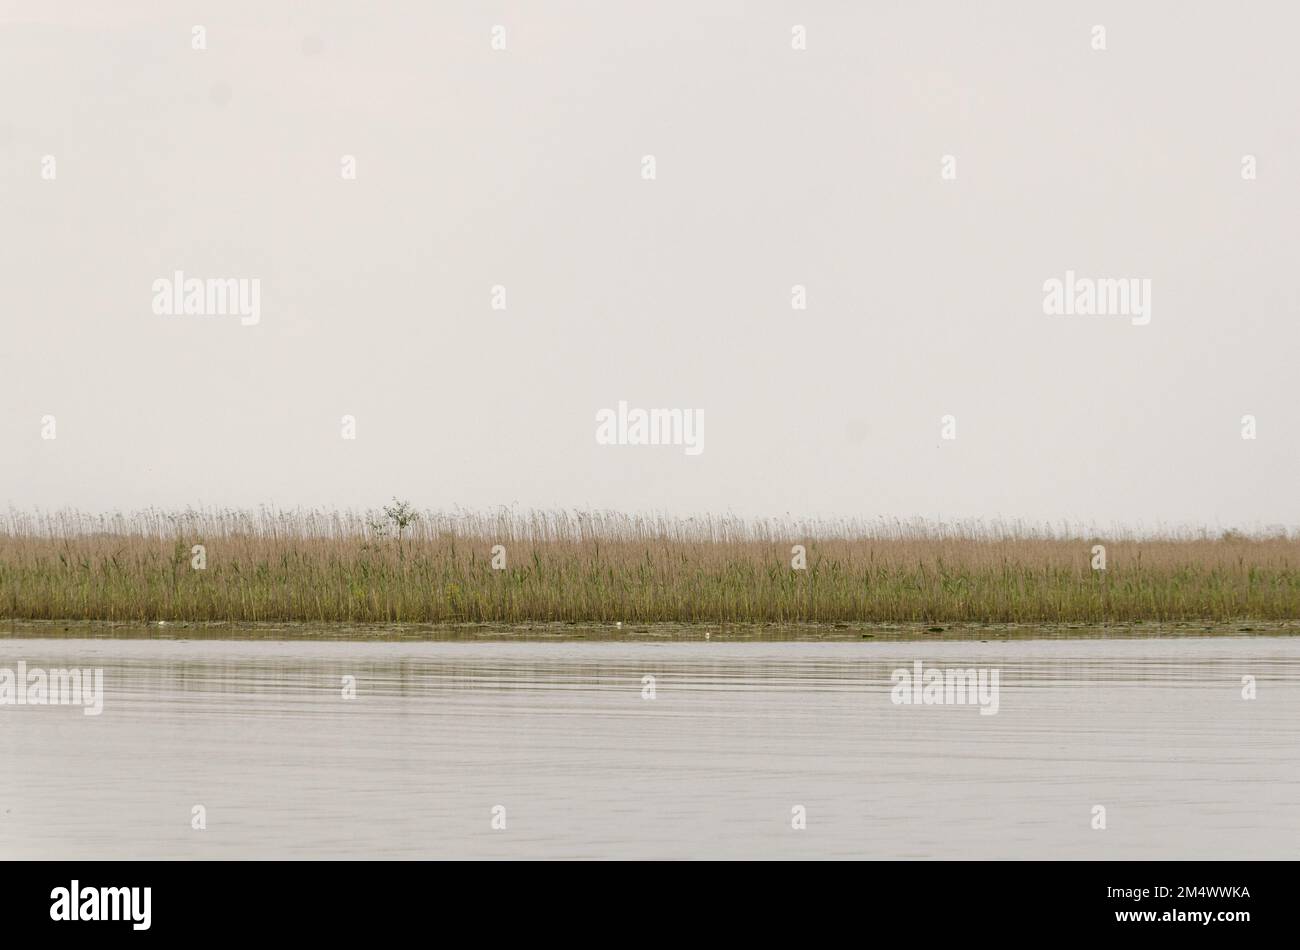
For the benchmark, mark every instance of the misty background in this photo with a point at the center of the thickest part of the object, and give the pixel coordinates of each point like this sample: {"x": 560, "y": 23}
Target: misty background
{"x": 775, "y": 167}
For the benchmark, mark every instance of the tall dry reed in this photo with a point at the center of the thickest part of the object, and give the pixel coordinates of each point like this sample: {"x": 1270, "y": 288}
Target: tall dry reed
{"x": 327, "y": 566}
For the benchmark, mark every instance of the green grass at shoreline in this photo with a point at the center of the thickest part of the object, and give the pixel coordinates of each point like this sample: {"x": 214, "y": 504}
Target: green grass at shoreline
{"x": 657, "y": 632}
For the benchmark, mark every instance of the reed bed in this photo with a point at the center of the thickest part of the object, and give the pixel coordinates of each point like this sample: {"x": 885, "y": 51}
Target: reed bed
{"x": 351, "y": 567}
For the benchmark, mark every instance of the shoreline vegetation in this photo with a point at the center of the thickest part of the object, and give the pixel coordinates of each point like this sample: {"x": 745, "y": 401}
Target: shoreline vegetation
{"x": 289, "y": 631}
{"x": 398, "y": 566}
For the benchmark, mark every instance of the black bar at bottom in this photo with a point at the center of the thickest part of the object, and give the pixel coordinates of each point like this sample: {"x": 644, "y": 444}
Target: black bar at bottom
{"x": 913, "y": 900}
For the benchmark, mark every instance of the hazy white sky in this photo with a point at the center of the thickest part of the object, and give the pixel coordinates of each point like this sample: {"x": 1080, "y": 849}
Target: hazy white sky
{"x": 774, "y": 167}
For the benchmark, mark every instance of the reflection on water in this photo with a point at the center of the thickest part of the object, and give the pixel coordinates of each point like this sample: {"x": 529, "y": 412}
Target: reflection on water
{"x": 259, "y": 733}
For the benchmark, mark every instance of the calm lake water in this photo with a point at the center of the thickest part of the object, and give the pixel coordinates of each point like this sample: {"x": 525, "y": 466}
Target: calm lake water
{"x": 737, "y": 735}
